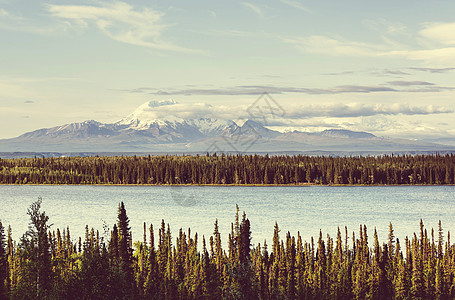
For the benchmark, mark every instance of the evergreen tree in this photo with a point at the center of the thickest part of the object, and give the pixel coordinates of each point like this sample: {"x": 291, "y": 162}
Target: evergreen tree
{"x": 125, "y": 251}
{"x": 3, "y": 264}
{"x": 327, "y": 269}
{"x": 151, "y": 285}
{"x": 35, "y": 249}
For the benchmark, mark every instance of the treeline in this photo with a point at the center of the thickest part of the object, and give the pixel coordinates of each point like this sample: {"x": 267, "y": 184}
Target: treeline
{"x": 50, "y": 265}
{"x": 230, "y": 169}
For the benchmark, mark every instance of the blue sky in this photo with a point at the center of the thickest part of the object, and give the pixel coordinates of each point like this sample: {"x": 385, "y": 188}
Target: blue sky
{"x": 387, "y": 67}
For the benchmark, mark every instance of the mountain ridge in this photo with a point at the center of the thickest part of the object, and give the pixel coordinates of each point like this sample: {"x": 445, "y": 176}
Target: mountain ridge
{"x": 143, "y": 131}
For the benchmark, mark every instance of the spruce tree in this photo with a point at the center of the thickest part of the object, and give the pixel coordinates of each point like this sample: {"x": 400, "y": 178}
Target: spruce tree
{"x": 290, "y": 266}
{"x": 125, "y": 251}
{"x": 3, "y": 264}
{"x": 35, "y": 248}
{"x": 151, "y": 285}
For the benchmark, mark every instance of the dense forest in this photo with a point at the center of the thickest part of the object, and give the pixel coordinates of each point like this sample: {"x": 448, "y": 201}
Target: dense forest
{"x": 230, "y": 169}
{"x": 47, "y": 264}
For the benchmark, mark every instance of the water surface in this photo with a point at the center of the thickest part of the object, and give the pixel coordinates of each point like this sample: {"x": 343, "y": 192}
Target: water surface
{"x": 307, "y": 209}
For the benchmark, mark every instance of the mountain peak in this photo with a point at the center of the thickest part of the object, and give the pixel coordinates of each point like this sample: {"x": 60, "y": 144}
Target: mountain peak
{"x": 149, "y": 113}
{"x": 169, "y": 126}
{"x": 256, "y": 128}
{"x": 252, "y": 123}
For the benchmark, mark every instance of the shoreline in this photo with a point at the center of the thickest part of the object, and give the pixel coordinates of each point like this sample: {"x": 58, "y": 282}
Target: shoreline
{"x": 220, "y": 185}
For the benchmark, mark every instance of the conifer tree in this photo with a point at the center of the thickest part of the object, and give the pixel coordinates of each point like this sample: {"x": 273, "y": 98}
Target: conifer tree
{"x": 401, "y": 283}
{"x": 3, "y": 264}
{"x": 34, "y": 247}
{"x": 125, "y": 250}
{"x": 151, "y": 285}
{"x": 290, "y": 266}
{"x": 327, "y": 269}
{"x": 417, "y": 285}
{"x": 113, "y": 246}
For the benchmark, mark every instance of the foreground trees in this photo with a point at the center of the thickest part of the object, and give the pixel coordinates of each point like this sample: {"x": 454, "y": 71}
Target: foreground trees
{"x": 34, "y": 276}
{"x": 231, "y": 169}
{"x": 50, "y": 265}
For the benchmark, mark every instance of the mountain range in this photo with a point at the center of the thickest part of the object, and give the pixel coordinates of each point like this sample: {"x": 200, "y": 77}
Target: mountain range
{"x": 141, "y": 131}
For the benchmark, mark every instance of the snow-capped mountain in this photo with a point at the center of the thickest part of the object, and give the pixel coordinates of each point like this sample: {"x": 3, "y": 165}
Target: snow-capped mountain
{"x": 141, "y": 124}
{"x": 145, "y": 119}
{"x": 164, "y": 126}
{"x": 252, "y": 127}
{"x": 84, "y": 129}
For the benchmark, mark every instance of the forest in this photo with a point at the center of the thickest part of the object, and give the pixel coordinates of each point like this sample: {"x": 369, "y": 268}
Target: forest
{"x": 50, "y": 264}
{"x": 231, "y": 169}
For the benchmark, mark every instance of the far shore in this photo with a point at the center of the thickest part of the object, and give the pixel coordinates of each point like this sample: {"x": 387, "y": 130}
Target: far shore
{"x": 220, "y": 185}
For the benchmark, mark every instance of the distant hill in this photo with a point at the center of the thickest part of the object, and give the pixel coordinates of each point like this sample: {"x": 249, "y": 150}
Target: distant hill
{"x": 346, "y": 133}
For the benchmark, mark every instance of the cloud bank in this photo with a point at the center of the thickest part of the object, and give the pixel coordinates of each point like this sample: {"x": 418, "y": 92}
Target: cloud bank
{"x": 120, "y": 22}
{"x": 393, "y": 86}
{"x": 165, "y": 109}
{"x": 437, "y": 44}
{"x": 362, "y": 110}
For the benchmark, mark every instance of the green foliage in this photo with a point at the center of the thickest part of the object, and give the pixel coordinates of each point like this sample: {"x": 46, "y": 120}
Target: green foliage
{"x": 3, "y": 264}
{"x": 35, "y": 274}
{"x": 231, "y": 169}
{"x": 49, "y": 265}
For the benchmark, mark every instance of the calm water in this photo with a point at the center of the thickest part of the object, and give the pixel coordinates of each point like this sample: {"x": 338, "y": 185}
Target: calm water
{"x": 306, "y": 209}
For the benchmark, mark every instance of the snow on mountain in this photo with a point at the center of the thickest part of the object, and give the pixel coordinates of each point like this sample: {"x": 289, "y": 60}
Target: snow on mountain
{"x": 170, "y": 126}
{"x": 252, "y": 127}
{"x": 147, "y": 117}
{"x": 212, "y": 127}
{"x": 152, "y": 122}
{"x": 75, "y": 130}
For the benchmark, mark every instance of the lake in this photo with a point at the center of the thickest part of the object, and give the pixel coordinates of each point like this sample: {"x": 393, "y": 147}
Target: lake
{"x": 307, "y": 209}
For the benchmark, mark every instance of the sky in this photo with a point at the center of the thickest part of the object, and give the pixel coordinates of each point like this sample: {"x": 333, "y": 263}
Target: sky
{"x": 386, "y": 67}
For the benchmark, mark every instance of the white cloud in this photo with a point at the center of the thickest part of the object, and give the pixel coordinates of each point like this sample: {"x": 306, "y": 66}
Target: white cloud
{"x": 340, "y": 47}
{"x": 352, "y": 110}
{"x": 8, "y": 15}
{"x": 380, "y": 125}
{"x": 296, "y": 4}
{"x": 293, "y": 114}
{"x": 440, "y": 35}
{"x": 386, "y": 27}
{"x": 254, "y": 8}
{"x": 332, "y": 46}
{"x": 407, "y": 128}
{"x": 440, "y": 55}
{"x": 120, "y": 22}
{"x": 443, "y": 33}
